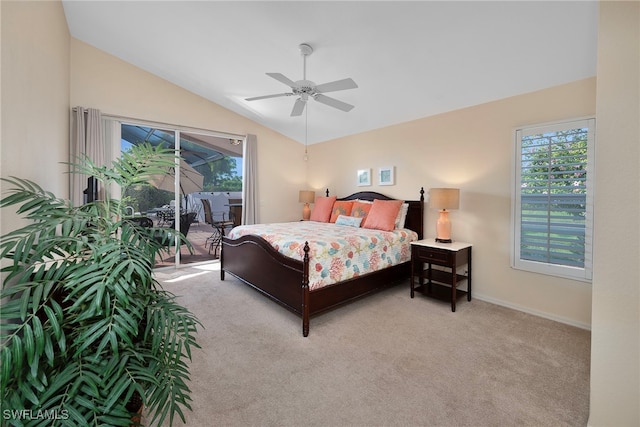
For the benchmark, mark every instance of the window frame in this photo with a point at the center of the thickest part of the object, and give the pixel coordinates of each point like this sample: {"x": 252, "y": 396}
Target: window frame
{"x": 564, "y": 271}
{"x": 112, "y": 130}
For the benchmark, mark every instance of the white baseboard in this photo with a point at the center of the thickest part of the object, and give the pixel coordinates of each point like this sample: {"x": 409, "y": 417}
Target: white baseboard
{"x": 538, "y": 313}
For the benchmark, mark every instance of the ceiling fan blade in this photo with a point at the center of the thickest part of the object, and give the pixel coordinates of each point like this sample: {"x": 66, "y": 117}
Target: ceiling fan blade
{"x": 282, "y": 79}
{"x": 298, "y": 107}
{"x": 255, "y": 98}
{"x": 332, "y": 102}
{"x": 337, "y": 85}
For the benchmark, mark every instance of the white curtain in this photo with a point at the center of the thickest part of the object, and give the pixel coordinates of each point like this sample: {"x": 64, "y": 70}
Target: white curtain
{"x": 86, "y": 140}
{"x": 250, "y": 180}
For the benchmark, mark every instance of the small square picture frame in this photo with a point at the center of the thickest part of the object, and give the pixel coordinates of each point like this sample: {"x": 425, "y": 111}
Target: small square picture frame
{"x": 386, "y": 175}
{"x": 363, "y": 177}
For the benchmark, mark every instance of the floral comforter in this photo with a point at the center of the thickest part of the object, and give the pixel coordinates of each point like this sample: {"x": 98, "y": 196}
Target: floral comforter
{"x": 337, "y": 252}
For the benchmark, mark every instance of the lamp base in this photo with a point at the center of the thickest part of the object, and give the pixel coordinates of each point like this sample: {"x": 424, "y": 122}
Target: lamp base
{"x": 306, "y": 212}
{"x": 443, "y": 228}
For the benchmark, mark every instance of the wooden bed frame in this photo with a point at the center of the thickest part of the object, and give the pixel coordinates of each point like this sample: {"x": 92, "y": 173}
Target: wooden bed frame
{"x": 286, "y": 280}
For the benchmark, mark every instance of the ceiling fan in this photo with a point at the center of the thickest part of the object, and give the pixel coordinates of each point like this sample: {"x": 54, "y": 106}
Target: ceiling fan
{"x": 304, "y": 88}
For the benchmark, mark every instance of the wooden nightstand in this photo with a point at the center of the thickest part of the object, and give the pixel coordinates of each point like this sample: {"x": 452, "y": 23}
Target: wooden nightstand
{"x": 441, "y": 283}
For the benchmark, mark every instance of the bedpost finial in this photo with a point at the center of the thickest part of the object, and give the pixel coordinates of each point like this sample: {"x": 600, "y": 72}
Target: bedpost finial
{"x": 422, "y": 194}
{"x": 327, "y": 192}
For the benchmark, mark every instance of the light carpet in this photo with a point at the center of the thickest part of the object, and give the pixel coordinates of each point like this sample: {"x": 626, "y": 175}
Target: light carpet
{"x": 384, "y": 360}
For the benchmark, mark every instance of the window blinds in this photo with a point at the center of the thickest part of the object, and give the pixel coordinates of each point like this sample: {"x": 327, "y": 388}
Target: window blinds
{"x": 554, "y": 213}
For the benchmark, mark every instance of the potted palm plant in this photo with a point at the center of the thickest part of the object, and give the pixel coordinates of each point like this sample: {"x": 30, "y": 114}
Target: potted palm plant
{"x": 86, "y": 330}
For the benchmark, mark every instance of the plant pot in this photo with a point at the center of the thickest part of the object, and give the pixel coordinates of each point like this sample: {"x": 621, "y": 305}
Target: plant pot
{"x": 135, "y": 406}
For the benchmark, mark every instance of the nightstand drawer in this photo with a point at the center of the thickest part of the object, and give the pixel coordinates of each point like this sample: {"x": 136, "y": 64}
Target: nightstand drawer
{"x": 433, "y": 255}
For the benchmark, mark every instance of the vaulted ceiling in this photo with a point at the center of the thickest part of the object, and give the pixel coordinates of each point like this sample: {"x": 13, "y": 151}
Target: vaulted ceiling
{"x": 409, "y": 59}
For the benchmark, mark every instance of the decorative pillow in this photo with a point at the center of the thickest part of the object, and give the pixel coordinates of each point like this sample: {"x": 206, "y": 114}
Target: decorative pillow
{"x": 382, "y": 215}
{"x": 360, "y": 209}
{"x": 321, "y": 211}
{"x": 351, "y": 221}
{"x": 402, "y": 215}
{"x": 340, "y": 207}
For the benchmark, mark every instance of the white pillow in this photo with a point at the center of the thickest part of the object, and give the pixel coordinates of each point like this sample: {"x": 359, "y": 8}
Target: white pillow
{"x": 402, "y": 215}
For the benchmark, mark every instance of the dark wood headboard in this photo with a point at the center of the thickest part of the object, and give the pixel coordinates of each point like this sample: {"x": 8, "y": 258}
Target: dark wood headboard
{"x": 415, "y": 213}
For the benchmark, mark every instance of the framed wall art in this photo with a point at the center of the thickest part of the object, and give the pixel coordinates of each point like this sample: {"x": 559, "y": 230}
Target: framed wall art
{"x": 364, "y": 177}
{"x": 386, "y": 175}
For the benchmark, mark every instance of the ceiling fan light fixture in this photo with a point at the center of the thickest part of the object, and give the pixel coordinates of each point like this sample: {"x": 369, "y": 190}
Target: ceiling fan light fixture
{"x": 305, "y": 88}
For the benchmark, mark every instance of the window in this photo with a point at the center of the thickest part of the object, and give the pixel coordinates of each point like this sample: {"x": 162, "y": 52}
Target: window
{"x": 211, "y": 164}
{"x": 553, "y": 199}
{"x": 217, "y": 159}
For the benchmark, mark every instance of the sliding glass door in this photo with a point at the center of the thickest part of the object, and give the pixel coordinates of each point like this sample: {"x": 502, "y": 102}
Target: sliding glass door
{"x": 210, "y": 173}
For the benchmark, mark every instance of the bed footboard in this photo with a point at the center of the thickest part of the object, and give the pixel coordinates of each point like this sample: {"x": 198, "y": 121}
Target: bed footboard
{"x": 285, "y": 280}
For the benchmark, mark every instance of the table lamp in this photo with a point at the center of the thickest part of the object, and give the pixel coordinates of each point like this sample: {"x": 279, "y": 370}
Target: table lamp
{"x": 443, "y": 199}
{"x": 306, "y": 197}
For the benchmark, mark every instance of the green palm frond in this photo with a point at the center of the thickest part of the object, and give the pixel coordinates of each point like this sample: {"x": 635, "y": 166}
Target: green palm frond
{"x": 84, "y": 326}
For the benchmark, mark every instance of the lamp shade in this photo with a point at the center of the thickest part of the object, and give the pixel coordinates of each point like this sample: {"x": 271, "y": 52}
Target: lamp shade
{"x": 307, "y": 196}
{"x": 444, "y": 198}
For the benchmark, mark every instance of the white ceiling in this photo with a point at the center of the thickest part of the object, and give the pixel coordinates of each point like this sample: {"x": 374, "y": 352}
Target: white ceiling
{"x": 410, "y": 59}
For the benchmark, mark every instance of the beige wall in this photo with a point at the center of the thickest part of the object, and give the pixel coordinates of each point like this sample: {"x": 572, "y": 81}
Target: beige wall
{"x": 615, "y": 354}
{"x": 45, "y": 72}
{"x": 35, "y": 91}
{"x": 471, "y": 149}
{"x": 35, "y": 97}
{"x": 102, "y": 81}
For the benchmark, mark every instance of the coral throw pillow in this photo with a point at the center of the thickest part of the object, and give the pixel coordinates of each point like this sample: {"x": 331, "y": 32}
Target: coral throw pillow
{"x": 341, "y": 207}
{"x": 382, "y": 215}
{"x": 360, "y": 209}
{"x": 321, "y": 211}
